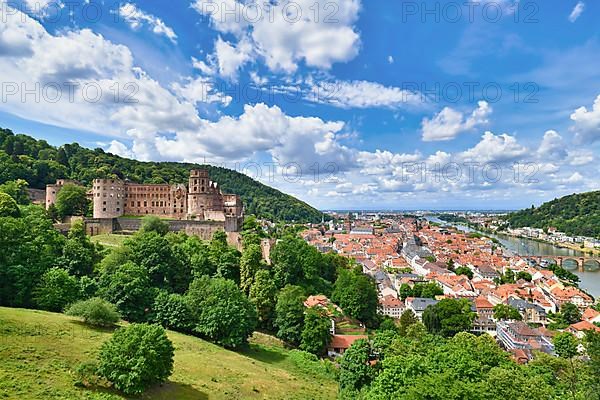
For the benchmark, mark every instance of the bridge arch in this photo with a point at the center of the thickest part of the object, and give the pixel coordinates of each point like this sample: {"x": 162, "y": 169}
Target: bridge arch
{"x": 570, "y": 263}
{"x": 591, "y": 265}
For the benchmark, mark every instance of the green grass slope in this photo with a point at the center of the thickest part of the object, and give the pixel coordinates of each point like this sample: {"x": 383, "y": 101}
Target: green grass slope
{"x": 576, "y": 214}
{"x": 39, "y": 352}
{"x": 23, "y": 157}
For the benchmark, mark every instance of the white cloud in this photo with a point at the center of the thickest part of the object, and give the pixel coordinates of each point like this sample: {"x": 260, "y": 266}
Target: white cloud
{"x": 119, "y": 149}
{"x": 199, "y": 90}
{"x": 231, "y": 58}
{"x": 577, "y": 11}
{"x": 449, "y": 123}
{"x": 285, "y": 32}
{"x": 580, "y": 157}
{"x": 362, "y": 94}
{"x": 552, "y": 146}
{"x": 390, "y": 60}
{"x": 136, "y": 18}
{"x": 495, "y": 149}
{"x": 587, "y": 123}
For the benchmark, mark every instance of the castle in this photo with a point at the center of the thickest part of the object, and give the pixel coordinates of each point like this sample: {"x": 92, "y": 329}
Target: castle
{"x": 202, "y": 200}
{"x": 199, "y": 208}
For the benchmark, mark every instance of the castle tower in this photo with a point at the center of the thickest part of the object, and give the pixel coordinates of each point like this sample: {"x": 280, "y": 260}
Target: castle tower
{"x": 109, "y": 198}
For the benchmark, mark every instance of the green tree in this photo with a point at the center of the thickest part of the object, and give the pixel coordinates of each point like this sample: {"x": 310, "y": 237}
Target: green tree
{"x": 523, "y": 275}
{"x": 592, "y": 348}
{"x": 316, "y": 333}
{"x": 449, "y": 317}
{"x": 263, "y": 294}
{"x": 504, "y": 312}
{"x": 407, "y": 319}
{"x": 250, "y": 263}
{"x": 225, "y": 258}
{"x": 565, "y": 345}
{"x": 173, "y": 311}
{"x": 56, "y": 290}
{"x": 8, "y": 206}
{"x": 570, "y": 314}
{"x": 136, "y": 357}
{"x": 151, "y": 223}
{"x": 79, "y": 253}
{"x": 356, "y": 294}
{"x": 16, "y": 189}
{"x": 71, "y": 200}
{"x": 355, "y": 371}
{"x": 95, "y": 311}
{"x": 128, "y": 286}
{"x": 462, "y": 270}
{"x": 153, "y": 252}
{"x": 29, "y": 246}
{"x": 405, "y": 291}
{"x": 289, "y": 314}
{"x": 221, "y": 311}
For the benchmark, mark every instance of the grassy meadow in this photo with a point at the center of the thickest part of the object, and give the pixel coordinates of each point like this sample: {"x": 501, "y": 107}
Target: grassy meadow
{"x": 39, "y": 352}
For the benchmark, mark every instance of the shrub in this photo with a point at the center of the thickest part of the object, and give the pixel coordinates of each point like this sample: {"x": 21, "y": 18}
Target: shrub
{"x": 172, "y": 311}
{"x": 136, "y": 357}
{"x": 95, "y": 311}
{"x": 56, "y": 290}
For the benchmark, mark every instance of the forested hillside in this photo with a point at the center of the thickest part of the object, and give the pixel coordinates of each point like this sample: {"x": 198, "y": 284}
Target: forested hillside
{"x": 37, "y": 162}
{"x": 576, "y": 214}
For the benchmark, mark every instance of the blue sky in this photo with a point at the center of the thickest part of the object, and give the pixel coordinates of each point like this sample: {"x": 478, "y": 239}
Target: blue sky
{"x": 342, "y": 103}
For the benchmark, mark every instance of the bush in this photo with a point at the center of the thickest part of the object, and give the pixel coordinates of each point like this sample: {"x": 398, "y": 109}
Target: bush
{"x": 95, "y": 311}
{"x": 172, "y": 311}
{"x": 56, "y": 290}
{"x": 136, "y": 357}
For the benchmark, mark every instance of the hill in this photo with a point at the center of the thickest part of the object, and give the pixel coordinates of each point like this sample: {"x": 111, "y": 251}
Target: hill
{"x": 576, "y": 215}
{"x": 39, "y": 352}
{"x": 37, "y": 162}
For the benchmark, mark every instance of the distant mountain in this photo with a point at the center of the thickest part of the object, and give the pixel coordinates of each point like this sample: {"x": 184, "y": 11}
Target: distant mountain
{"x": 23, "y": 157}
{"x": 576, "y": 215}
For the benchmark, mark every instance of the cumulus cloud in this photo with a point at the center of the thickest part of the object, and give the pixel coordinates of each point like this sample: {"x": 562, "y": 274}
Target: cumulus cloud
{"x": 285, "y": 33}
{"x": 577, "y": 11}
{"x": 136, "y": 18}
{"x": 587, "y": 123}
{"x": 449, "y": 123}
{"x": 552, "y": 146}
{"x": 495, "y": 149}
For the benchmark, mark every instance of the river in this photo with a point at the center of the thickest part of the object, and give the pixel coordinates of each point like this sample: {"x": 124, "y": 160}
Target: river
{"x": 589, "y": 280}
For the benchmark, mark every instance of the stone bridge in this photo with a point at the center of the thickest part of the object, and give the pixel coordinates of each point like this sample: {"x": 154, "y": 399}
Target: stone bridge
{"x": 593, "y": 263}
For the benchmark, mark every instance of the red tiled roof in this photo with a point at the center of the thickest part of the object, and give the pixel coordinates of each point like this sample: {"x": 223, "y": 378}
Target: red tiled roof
{"x": 584, "y": 326}
{"x": 345, "y": 341}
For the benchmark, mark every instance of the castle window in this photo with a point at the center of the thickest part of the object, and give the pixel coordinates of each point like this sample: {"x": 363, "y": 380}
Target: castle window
{"x": 104, "y": 203}
{"x": 118, "y": 209}
{"x": 104, "y": 209}
{"x": 146, "y": 204}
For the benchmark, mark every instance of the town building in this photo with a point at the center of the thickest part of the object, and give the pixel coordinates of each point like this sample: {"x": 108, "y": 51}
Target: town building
{"x": 418, "y": 305}
{"x": 340, "y": 343}
{"x": 391, "y": 306}
{"x": 531, "y": 313}
{"x": 518, "y": 335}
